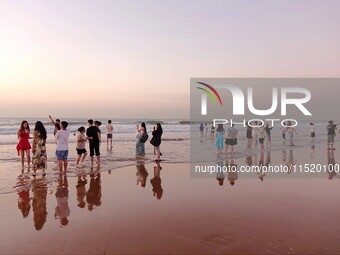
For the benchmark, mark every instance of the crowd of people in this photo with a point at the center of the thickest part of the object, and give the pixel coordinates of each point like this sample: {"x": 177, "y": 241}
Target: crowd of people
{"x": 260, "y": 133}
{"x": 91, "y": 134}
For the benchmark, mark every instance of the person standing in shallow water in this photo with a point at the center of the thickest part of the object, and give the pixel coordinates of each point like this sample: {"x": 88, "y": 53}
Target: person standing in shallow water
{"x": 219, "y": 138}
{"x": 62, "y": 137}
{"x": 39, "y": 148}
{"x": 156, "y": 140}
{"x": 93, "y": 137}
{"x": 23, "y": 144}
{"x": 140, "y": 146}
{"x": 331, "y": 134}
{"x": 109, "y": 130}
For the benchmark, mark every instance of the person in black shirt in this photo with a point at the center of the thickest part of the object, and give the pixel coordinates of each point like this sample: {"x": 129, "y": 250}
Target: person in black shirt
{"x": 93, "y": 137}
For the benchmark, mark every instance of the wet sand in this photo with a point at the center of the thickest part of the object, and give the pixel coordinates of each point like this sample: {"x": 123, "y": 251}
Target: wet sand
{"x": 192, "y": 215}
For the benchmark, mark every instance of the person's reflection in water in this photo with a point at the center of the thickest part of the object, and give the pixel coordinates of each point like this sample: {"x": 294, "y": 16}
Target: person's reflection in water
{"x": 331, "y": 169}
{"x": 156, "y": 181}
{"x": 312, "y": 153}
{"x": 62, "y": 210}
{"x": 261, "y": 174}
{"x": 39, "y": 189}
{"x": 81, "y": 191}
{"x": 142, "y": 173}
{"x": 219, "y": 173}
{"x": 284, "y": 155}
{"x": 232, "y": 171}
{"x": 24, "y": 202}
{"x": 23, "y": 189}
{"x": 94, "y": 194}
{"x": 290, "y": 162}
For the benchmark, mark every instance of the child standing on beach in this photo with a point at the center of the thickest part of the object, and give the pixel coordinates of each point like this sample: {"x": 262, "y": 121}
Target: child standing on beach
{"x": 23, "y": 144}
{"x": 62, "y": 137}
{"x": 81, "y": 141}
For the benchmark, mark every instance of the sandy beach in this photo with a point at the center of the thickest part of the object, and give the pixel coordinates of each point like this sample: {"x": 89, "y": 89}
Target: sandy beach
{"x": 192, "y": 215}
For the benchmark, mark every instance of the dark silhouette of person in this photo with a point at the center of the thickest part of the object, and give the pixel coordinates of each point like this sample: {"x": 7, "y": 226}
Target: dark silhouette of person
{"x": 156, "y": 181}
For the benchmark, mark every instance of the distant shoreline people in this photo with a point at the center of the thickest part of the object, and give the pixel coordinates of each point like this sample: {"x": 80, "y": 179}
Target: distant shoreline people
{"x": 331, "y": 127}
{"x": 312, "y": 131}
{"x": 201, "y": 128}
{"x": 262, "y": 136}
{"x": 39, "y": 148}
{"x": 231, "y": 139}
{"x": 291, "y": 131}
{"x": 284, "y": 131}
{"x": 219, "y": 138}
{"x": 23, "y": 145}
{"x": 212, "y": 132}
{"x": 249, "y": 135}
{"x": 206, "y": 129}
{"x": 255, "y": 133}
{"x": 268, "y": 133}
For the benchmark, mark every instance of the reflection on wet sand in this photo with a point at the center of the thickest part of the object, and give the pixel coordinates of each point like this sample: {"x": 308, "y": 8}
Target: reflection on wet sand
{"x": 142, "y": 173}
{"x": 156, "y": 181}
{"x": 220, "y": 176}
{"x": 332, "y": 173}
{"x": 39, "y": 189}
{"x": 94, "y": 193}
{"x": 62, "y": 210}
{"x": 232, "y": 175}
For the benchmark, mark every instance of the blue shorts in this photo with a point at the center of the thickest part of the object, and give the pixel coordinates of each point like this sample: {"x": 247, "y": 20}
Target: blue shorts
{"x": 61, "y": 155}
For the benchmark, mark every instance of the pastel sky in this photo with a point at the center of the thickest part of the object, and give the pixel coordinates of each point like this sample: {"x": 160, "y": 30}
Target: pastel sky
{"x": 128, "y": 59}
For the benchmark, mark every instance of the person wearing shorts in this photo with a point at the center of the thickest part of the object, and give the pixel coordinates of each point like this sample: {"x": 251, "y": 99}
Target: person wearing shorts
{"x": 109, "y": 129}
{"x": 93, "y": 137}
{"x": 81, "y": 141}
{"x": 261, "y": 136}
{"x": 62, "y": 137}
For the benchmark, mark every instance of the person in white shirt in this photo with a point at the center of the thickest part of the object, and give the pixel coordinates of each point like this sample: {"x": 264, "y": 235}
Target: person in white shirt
{"x": 62, "y": 137}
{"x": 109, "y": 129}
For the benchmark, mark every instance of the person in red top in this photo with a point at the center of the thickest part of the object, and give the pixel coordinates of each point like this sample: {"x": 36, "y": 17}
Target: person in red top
{"x": 23, "y": 144}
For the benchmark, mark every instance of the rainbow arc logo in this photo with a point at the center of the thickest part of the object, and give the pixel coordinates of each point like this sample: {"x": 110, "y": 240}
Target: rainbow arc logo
{"x": 212, "y": 93}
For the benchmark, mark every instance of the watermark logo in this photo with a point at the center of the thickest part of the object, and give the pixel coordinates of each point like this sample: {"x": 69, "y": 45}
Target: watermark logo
{"x": 204, "y": 96}
{"x": 239, "y": 99}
